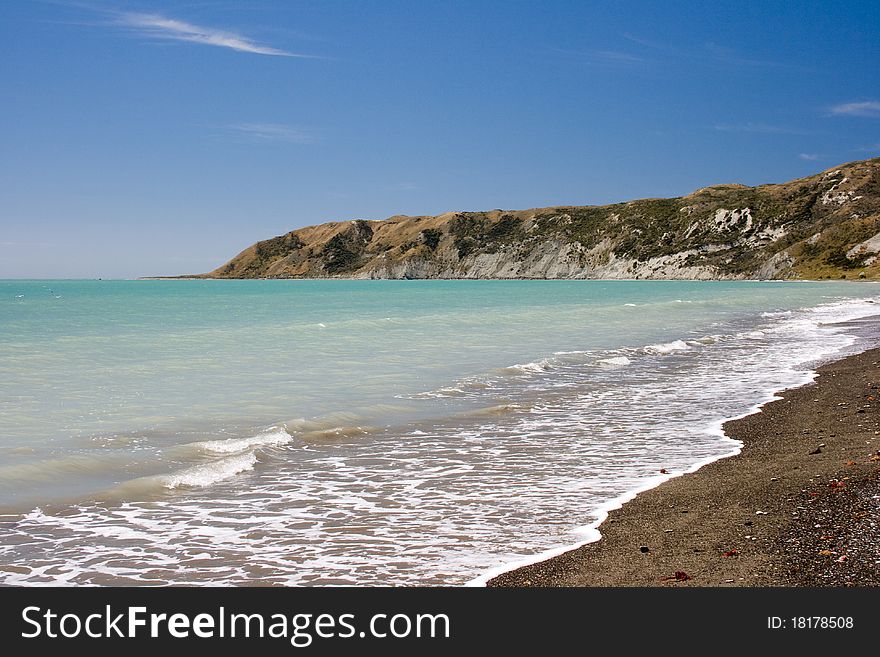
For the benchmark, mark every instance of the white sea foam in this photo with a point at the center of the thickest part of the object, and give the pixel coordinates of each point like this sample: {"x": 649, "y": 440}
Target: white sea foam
{"x": 667, "y": 347}
{"x": 272, "y": 438}
{"x": 211, "y": 473}
{"x": 617, "y": 360}
{"x": 439, "y": 393}
{"x": 807, "y": 332}
{"x": 535, "y": 367}
{"x": 528, "y": 473}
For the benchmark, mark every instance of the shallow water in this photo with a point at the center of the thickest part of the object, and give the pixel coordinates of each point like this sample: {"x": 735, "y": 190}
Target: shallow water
{"x": 366, "y": 432}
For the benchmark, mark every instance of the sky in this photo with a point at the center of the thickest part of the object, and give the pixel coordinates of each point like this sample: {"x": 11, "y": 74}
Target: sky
{"x": 146, "y": 138}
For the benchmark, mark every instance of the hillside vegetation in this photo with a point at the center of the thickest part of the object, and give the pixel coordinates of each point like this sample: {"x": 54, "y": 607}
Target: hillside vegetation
{"x": 824, "y": 226}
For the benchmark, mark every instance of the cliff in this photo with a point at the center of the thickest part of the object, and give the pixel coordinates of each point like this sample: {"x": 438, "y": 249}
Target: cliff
{"x": 823, "y": 226}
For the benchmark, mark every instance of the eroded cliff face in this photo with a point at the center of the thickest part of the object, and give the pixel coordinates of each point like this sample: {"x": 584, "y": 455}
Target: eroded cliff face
{"x": 827, "y": 225}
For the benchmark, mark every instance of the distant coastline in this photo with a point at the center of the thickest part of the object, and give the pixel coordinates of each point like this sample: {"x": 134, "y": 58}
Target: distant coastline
{"x": 826, "y": 226}
{"x": 595, "y": 280}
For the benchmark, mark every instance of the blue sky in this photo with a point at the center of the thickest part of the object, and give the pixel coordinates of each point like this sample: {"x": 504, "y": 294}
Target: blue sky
{"x": 143, "y": 138}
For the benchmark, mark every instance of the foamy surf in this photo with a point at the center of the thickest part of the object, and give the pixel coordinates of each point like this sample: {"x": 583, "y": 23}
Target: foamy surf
{"x": 591, "y": 533}
{"x": 616, "y": 360}
{"x": 536, "y": 367}
{"x": 486, "y": 470}
{"x": 273, "y": 438}
{"x": 667, "y": 347}
{"x": 336, "y": 433}
{"x": 210, "y": 473}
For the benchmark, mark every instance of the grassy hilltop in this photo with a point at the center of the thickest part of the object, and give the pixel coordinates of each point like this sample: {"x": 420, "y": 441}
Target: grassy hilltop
{"x": 823, "y": 226}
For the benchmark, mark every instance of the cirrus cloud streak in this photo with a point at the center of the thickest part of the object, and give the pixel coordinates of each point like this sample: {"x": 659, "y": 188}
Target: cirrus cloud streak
{"x": 161, "y": 27}
{"x": 868, "y": 108}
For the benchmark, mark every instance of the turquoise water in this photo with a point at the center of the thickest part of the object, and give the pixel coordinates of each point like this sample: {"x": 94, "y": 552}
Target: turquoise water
{"x": 366, "y": 431}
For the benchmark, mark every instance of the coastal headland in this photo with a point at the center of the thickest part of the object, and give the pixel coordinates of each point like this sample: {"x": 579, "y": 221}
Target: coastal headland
{"x": 823, "y": 226}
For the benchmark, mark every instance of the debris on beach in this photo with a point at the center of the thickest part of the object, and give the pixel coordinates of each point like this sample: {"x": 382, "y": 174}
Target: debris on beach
{"x": 679, "y": 576}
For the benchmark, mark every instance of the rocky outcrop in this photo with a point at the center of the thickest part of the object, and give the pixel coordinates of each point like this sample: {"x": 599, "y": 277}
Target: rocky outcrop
{"x": 827, "y": 225}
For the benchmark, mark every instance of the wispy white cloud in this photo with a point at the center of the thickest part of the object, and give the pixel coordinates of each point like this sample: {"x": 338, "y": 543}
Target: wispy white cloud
{"x": 726, "y": 55}
{"x": 644, "y": 42}
{"x": 811, "y": 157}
{"x": 760, "y": 128}
{"x": 706, "y": 54}
{"x": 868, "y": 108}
{"x": 606, "y": 57}
{"x": 156, "y": 26}
{"x": 617, "y": 57}
{"x": 265, "y": 132}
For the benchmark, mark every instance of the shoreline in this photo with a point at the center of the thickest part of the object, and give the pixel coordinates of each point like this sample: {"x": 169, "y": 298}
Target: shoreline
{"x": 747, "y": 518}
{"x": 513, "y": 278}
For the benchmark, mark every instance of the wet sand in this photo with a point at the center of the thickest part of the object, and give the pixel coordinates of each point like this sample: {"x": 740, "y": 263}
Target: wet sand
{"x": 799, "y": 506}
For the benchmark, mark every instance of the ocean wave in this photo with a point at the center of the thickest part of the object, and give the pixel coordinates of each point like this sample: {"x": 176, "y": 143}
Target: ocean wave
{"x": 616, "y": 360}
{"x": 488, "y": 411}
{"x": 210, "y": 473}
{"x": 335, "y": 433}
{"x": 428, "y": 498}
{"x": 535, "y": 367}
{"x": 272, "y": 438}
{"x": 666, "y": 347}
{"x": 710, "y": 339}
{"x": 50, "y": 469}
{"x": 439, "y": 393}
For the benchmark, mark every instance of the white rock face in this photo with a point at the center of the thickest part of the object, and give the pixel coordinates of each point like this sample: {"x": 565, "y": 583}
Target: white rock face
{"x": 836, "y": 196}
{"x": 870, "y": 245}
{"x": 727, "y": 220}
{"x": 552, "y": 260}
{"x": 778, "y": 263}
{"x": 766, "y": 236}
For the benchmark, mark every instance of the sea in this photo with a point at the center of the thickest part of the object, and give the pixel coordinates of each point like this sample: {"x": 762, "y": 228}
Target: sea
{"x": 398, "y": 433}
